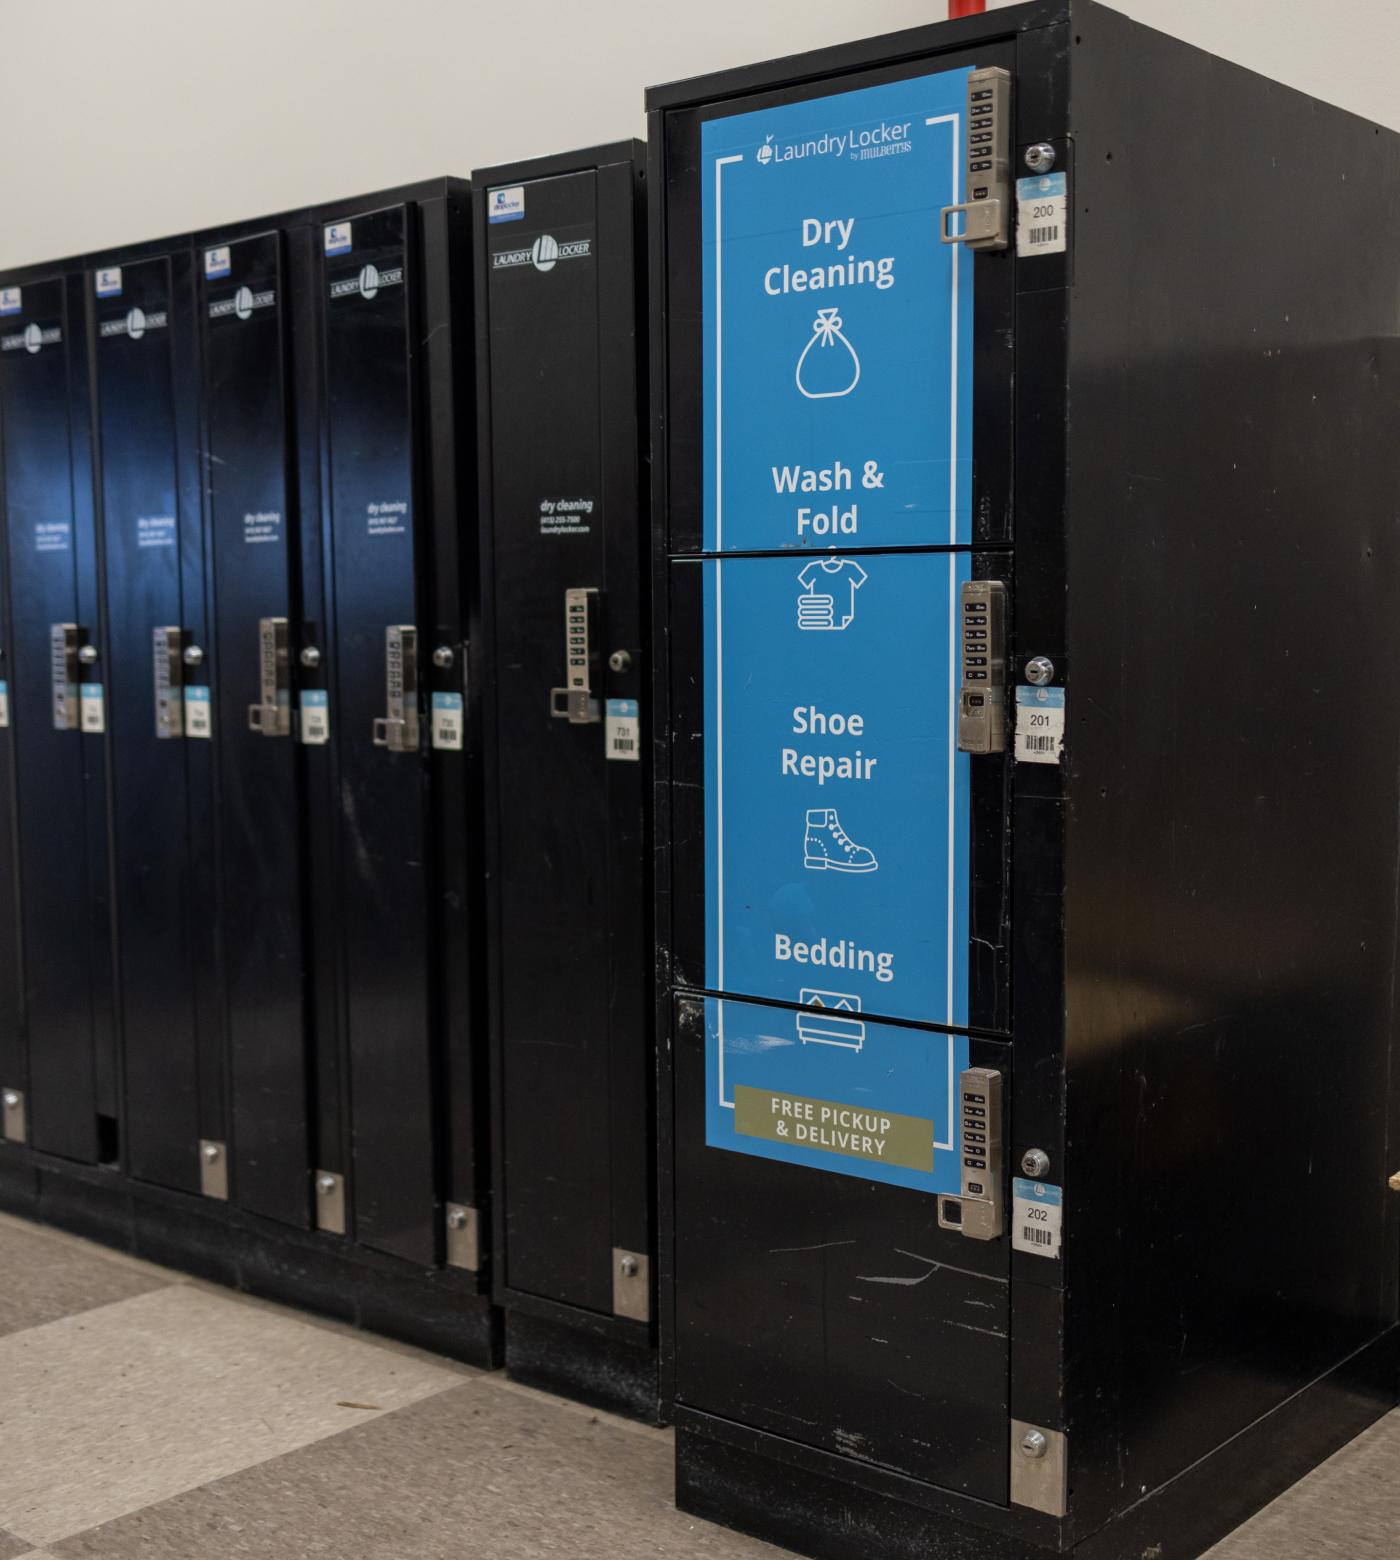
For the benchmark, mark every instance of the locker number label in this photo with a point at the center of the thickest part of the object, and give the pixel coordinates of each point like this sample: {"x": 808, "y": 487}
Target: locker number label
{"x": 623, "y": 731}
{"x": 1040, "y": 725}
{"x": 4, "y": 704}
{"x": 447, "y": 721}
{"x": 1042, "y": 215}
{"x": 1037, "y": 1211}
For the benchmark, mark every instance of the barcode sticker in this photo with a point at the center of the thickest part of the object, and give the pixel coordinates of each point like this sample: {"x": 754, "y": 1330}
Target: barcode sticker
{"x": 447, "y": 721}
{"x": 92, "y": 708}
{"x": 1037, "y": 1214}
{"x": 623, "y": 732}
{"x": 315, "y": 716}
{"x": 4, "y": 703}
{"x": 1040, "y": 725}
{"x": 1042, "y": 215}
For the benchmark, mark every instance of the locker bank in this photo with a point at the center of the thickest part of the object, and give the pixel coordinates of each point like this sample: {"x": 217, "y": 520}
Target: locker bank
{"x": 560, "y": 255}
{"x": 240, "y": 567}
{"x": 1025, "y": 843}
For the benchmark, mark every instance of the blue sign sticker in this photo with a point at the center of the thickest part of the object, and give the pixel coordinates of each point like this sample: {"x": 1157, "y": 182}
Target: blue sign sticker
{"x": 836, "y": 801}
{"x": 827, "y": 1088}
{"x": 837, "y": 324}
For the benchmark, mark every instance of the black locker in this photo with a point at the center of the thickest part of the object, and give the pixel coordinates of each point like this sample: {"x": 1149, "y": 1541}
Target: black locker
{"x": 158, "y": 711}
{"x": 560, "y": 377}
{"x": 51, "y": 713}
{"x": 1081, "y": 1235}
{"x": 254, "y": 552}
{"x": 401, "y": 1141}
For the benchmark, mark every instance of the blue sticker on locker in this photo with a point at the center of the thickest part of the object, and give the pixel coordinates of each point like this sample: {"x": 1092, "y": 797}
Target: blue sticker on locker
{"x": 827, "y": 1088}
{"x": 837, "y": 324}
{"x": 836, "y": 801}
{"x": 337, "y": 237}
{"x": 1037, "y": 1191}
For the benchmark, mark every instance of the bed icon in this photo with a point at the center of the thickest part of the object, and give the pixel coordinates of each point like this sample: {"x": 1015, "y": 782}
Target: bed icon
{"x": 826, "y": 1019}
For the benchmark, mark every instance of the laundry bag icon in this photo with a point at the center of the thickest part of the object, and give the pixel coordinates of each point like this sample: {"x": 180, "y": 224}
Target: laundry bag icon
{"x": 828, "y": 366}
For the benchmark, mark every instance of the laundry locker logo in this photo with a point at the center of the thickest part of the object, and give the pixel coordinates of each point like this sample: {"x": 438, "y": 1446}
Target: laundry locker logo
{"x": 368, "y": 282}
{"x": 33, "y": 338}
{"x": 243, "y": 303}
{"x": 135, "y": 323}
{"x": 544, "y": 253}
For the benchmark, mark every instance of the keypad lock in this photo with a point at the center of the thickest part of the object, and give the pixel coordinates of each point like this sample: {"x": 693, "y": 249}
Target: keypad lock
{"x": 985, "y": 214}
{"x": 575, "y": 702}
{"x": 273, "y": 716}
{"x": 982, "y": 695}
{"x": 168, "y": 656}
{"x": 979, "y": 1212}
{"x": 397, "y": 728}
{"x": 65, "y": 640}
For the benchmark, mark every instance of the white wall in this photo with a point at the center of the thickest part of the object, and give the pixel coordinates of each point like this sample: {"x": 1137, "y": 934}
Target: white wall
{"x": 126, "y": 119}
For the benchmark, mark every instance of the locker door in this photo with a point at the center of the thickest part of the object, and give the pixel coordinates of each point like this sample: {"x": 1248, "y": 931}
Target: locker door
{"x": 573, "y": 1035}
{"x": 151, "y": 811}
{"x": 252, "y": 586}
{"x": 385, "y": 847}
{"x": 44, "y": 730}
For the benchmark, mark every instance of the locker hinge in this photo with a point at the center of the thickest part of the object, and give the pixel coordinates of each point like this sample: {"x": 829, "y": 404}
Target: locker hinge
{"x": 13, "y": 1126}
{"x": 330, "y": 1203}
{"x": 213, "y": 1169}
{"x": 631, "y": 1285}
{"x": 1039, "y": 1468}
{"x": 463, "y": 1237}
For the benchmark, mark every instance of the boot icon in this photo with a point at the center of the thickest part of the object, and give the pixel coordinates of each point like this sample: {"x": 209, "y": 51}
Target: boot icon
{"x": 828, "y": 848}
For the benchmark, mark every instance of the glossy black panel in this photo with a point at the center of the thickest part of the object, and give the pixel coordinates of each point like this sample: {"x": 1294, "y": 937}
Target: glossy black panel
{"x": 145, "y": 535}
{"x": 372, "y": 521}
{"x": 572, "y": 1010}
{"x": 37, "y": 350}
{"x": 253, "y": 527}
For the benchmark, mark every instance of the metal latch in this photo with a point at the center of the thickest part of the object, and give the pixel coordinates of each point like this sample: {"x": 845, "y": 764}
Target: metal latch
{"x": 986, "y": 213}
{"x": 463, "y": 1237}
{"x": 980, "y": 1211}
{"x": 330, "y": 1202}
{"x": 1039, "y": 1468}
{"x": 397, "y": 729}
{"x": 14, "y": 1126}
{"x": 273, "y": 717}
{"x": 213, "y": 1169}
{"x": 168, "y": 648}
{"x": 575, "y": 702}
{"x": 982, "y": 696}
{"x": 631, "y": 1285}
{"x": 64, "y": 640}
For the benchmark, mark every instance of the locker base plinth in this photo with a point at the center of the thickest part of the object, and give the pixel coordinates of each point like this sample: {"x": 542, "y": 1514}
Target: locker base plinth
{"x": 834, "y": 1508}
{"x": 441, "y": 1310}
{"x": 583, "y": 1364}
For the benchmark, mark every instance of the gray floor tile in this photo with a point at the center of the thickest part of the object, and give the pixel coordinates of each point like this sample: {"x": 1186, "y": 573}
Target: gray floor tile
{"x": 49, "y": 1276}
{"x": 11, "y": 1547}
{"x": 1348, "y": 1509}
{"x": 107, "y": 1412}
{"x": 477, "y": 1471}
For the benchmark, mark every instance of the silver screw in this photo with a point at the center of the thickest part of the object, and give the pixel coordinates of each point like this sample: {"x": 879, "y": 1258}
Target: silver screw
{"x": 456, "y": 1220}
{"x": 211, "y": 1152}
{"x": 1039, "y": 670}
{"x": 194, "y": 656}
{"x": 442, "y": 657}
{"x": 325, "y": 1184}
{"x": 310, "y": 656}
{"x": 1034, "y": 1444}
{"x": 620, "y": 660}
{"x": 1035, "y": 1162}
{"x": 88, "y": 655}
{"x": 11, "y": 1099}
{"x": 630, "y": 1267}
{"x": 1040, "y": 158}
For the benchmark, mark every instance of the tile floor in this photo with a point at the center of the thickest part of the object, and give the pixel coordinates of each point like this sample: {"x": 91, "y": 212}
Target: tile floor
{"x": 146, "y": 1415}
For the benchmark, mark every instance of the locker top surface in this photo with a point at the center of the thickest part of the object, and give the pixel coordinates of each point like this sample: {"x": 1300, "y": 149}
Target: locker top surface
{"x": 555, "y": 164}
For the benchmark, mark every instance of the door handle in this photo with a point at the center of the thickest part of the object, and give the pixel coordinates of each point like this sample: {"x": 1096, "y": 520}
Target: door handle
{"x": 273, "y": 716}
{"x": 574, "y": 702}
{"x": 168, "y": 650}
{"x": 397, "y": 728}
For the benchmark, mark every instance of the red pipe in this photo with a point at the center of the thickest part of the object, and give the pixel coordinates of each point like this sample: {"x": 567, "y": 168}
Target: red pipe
{"x": 958, "y": 8}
